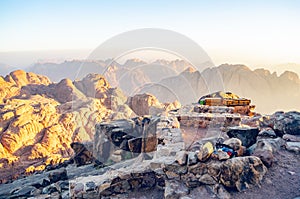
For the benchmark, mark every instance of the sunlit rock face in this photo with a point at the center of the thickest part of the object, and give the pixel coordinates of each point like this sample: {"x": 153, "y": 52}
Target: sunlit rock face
{"x": 40, "y": 119}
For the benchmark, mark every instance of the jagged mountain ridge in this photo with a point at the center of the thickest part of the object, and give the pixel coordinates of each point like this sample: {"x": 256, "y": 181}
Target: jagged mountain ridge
{"x": 269, "y": 92}
{"x": 80, "y": 68}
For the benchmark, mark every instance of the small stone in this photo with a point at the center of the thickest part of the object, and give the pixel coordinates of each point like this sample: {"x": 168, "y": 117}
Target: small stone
{"x": 78, "y": 188}
{"x": 120, "y": 187}
{"x": 57, "y": 175}
{"x": 118, "y": 152}
{"x": 221, "y": 192}
{"x": 185, "y": 197}
{"x": 207, "y": 179}
{"x": 42, "y": 183}
{"x": 25, "y": 191}
{"x": 192, "y": 158}
{"x": 222, "y": 155}
{"x": 241, "y": 151}
{"x": 269, "y": 181}
{"x": 50, "y": 189}
{"x": 55, "y": 195}
{"x": 205, "y": 151}
{"x": 104, "y": 187}
{"x": 291, "y": 173}
{"x": 213, "y": 169}
{"x": 148, "y": 180}
{"x": 267, "y": 133}
{"x": 291, "y": 138}
{"x": 89, "y": 186}
{"x": 62, "y": 185}
{"x": 176, "y": 168}
{"x": 266, "y": 157}
{"x": 199, "y": 168}
{"x": 65, "y": 195}
{"x": 172, "y": 175}
{"x": 181, "y": 157}
{"x": 293, "y": 144}
{"x": 234, "y": 143}
{"x": 116, "y": 158}
{"x": 175, "y": 189}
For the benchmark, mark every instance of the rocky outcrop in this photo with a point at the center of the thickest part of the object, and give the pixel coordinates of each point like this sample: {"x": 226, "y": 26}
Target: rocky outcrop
{"x": 93, "y": 85}
{"x": 11, "y": 85}
{"x": 82, "y": 155}
{"x": 21, "y": 78}
{"x": 40, "y": 119}
{"x": 147, "y": 104}
{"x": 43, "y": 131}
{"x": 65, "y": 91}
{"x": 283, "y": 123}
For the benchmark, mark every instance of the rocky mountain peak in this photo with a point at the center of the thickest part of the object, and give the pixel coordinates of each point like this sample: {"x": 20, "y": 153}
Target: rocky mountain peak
{"x": 289, "y": 75}
{"x": 190, "y": 70}
{"x": 230, "y": 67}
{"x": 22, "y": 78}
{"x": 93, "y": 85}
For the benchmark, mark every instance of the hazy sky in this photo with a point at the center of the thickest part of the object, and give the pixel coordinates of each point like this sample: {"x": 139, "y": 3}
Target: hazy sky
{"x": 256, "y": 33}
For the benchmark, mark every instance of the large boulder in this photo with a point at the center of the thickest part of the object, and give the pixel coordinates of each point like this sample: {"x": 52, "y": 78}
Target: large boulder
{"x": 264, "y": 151}
{"x": 242, "y": 172}
{"x": 290, "y": 124}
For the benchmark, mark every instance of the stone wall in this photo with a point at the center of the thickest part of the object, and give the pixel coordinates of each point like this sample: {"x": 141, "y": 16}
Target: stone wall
{"x": 171, "y": 168}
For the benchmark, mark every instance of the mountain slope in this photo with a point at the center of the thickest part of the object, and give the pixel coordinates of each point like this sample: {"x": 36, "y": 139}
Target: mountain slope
{"x": 40, "y": 119}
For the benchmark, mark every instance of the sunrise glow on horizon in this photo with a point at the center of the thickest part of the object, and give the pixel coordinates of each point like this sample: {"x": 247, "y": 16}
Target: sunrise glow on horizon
{"x": 248, "y": 32}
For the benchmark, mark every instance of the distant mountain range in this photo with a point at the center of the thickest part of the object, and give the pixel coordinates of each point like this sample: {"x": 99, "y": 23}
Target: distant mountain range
{"x": 269, "y": 92}
{"x": 78, "y": 68}
{"x": 170, "y": 80}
